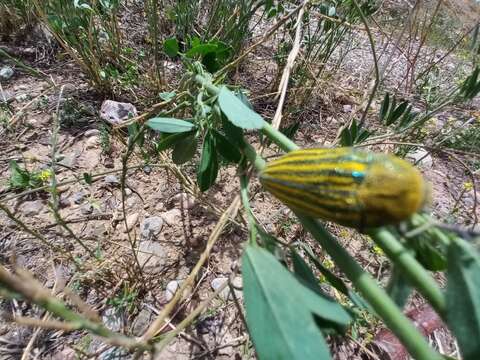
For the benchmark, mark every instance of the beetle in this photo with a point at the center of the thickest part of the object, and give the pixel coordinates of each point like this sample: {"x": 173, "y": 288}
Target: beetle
{"x": 346, "y": 185}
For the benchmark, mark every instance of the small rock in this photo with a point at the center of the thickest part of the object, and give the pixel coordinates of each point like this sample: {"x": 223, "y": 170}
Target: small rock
{"x": 172, "y": 217}
{"x": 91, "y": 132}
{"x": 31, "y": 208}
{"x": 111, "y": 180}
{"x": 6, "y": 73}
{"x": 421, "y": 157}
{"x": 151, "y": 226}
{"x": 141, "y": 322}
{"x": 128, "y": 192}
{"x": 185, "y": 200}
{"x": 151, "y": 255}
{"x": 21, "y": 97}
{"x": 132, "y": 220}
{"x": 87, "y": 209}
{"x": 115, "y": 112}
{"x": 65, "y": 354}
{"x": 68, "y": 160}
{"x": 79, "y": 197}
{"x": 113, "y": 319}
{"x": 6, "y": 97}
{"x": 92, "y": 142}
{"x": 225, "y": 293}
{"x": 31, "y": 122}
{"x": 171, "y": 289}
{"x": 347, "y": 108}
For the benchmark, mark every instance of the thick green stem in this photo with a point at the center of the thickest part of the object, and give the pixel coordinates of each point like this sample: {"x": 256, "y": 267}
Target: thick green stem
{"x": 411, "y": 268}
{"x": 376, "y": 296}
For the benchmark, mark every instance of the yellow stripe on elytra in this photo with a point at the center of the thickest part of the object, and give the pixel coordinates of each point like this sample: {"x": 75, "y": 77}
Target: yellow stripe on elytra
{"x": 309, "y": 209}
{"x": 334, "y": 181}
{"x": 312, "y": 154}
{"x": 344, "y": 203}
{"x": 347, "y": 166}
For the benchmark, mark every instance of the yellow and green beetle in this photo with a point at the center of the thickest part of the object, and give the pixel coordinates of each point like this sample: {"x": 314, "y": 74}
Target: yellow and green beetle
{"x": 348, "y": 186}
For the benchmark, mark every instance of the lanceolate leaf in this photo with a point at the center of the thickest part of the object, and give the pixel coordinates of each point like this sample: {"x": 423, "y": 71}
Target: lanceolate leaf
{"x": 208, "y": 168}
{"x": 171, "y": 48}
{"x": 170, "y": 125}
{"x": 385, "y": 106}
{"x": 184, "y": 150}
{"x": 463, "y": 297}
{"x": 280, "y": 310}
{"x": 237, "y": 112}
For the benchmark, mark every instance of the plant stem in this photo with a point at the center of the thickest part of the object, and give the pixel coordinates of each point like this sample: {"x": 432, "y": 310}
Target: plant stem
{"x": 376, "y": 296}
{"x": 411, "y": 268}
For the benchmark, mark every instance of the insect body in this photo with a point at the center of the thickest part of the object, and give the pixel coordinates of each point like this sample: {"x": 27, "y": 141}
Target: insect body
{"x": 347, "y": 186}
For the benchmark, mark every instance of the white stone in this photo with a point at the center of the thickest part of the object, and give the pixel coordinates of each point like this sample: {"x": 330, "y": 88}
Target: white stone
{"x": 171, "y": 289}
{"x": 151, "y": 255}
{"x": 172, "y": 217}
{"x": 116, "y": 113}
{"x": 151, "y": 226}
{"x": 132, "y": 220}
{"x": 92, "y": 142}
{"x": 31, "y": 208}
{"x": 91, "y": 132}
{"x": 225, "y": 293}
{"x": 6, "y": 73}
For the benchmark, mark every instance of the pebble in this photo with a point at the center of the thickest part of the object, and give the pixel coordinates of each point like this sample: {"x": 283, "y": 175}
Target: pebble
{"x": 132, "y": 220}
{"x": 92, "y": 142}
{"x": 141, "y": 322}
{"x": 151, "y": 255}
{"x": 225, "y": 293}
{"x": 421, "y": 157}
{"x": 172, "y": 217}
{"x": 21, "y": 97}
{"x": 112, "y": 319}
{"x": 31, "y": 208}
{"x": 6, "y": 73}
{"x": 185, "y": 200}
{"x": 115, "y": 112}
{"x": 347, "y": 108}
{"x": 111, "y": 180}
{"x": 91, "y": 132}
{"x": 151, "y": 226}
{"x": 79, "y": 197}
{"x": 171, "y": 289}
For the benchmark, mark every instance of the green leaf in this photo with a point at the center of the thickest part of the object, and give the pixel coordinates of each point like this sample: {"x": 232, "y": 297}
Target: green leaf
{"x": 88, "y": 178}
{"x": 398, "y": 288}
{"x": 208, "y": 168}
{"x": 171, "y": 140}
{"x": 304, "y": 273}
{"x": 228, "y": 150}
{"x": 171, "y": 48}
{"x": 346, "y": 137}
{"x": 201, "y": 49}
{"x": 209, "y": 60}
{"x": 233, "y": 133}
{"x": 166, "y": 96}
{"x": 336, "y": 282}
{"x": 395, "y": 115}
{"x": 280, "y": 310}
{"x": 463, "y": 297}
{"x": 170, "y": 125}
{"x": 19, "y": 178}
{"x": 384, "y": 107}
{"x": 184, "y": 150}
{"x": 237, "y": 112}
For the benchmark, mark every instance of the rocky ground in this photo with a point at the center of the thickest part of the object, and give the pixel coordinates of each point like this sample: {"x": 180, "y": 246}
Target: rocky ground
{"x": 167, "y": 226}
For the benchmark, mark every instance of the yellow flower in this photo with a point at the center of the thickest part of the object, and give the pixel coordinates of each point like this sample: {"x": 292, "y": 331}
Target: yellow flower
{"x": 377, "y": 250}
{"x": 468, "y": 186}
{"x": 44, "y": 175}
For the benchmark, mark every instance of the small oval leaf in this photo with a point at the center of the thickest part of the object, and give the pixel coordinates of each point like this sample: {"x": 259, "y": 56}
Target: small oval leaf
{"x": 237, "y": 112}
{"x": 184, "y": 150}
{"x": 170, "y": 125}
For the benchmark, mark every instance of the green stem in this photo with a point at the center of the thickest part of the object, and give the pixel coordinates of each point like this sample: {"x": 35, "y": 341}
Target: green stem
{"x": 411, "y": 268}
{"x": 376, "y": 296}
